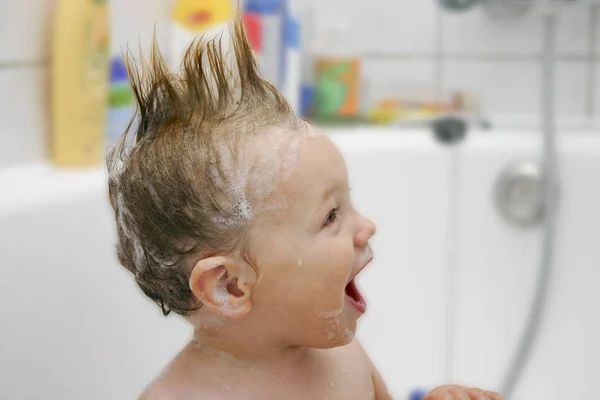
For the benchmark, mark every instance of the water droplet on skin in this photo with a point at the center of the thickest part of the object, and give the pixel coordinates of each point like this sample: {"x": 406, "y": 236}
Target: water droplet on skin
{"x": 331, "y": 384}
{"x": 300, "y": 262}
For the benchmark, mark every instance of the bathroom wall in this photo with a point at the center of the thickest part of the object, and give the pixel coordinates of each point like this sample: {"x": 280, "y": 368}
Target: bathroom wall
{"x": 407, "y": 46}
{"x": 24, "y": 43}
{"x": 25, "y": 51}
{"x": 410, "y": 41}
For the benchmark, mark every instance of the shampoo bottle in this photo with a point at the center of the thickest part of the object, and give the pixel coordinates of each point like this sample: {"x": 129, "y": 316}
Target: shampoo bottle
{"x": 79, "y": 76}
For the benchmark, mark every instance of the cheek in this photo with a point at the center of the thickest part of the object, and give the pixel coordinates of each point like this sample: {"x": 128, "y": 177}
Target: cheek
{"x": 334, "y": 270}
{"x": 311, "y": 279}
{"x": 338, "y": 262}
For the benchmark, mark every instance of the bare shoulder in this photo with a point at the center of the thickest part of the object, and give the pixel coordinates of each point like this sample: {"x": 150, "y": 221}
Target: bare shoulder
{"x": 186, "y": 380}
{"x": 170, "y": 389}
{"x": 162, "y": 387}
{"x": 155, "y": 391}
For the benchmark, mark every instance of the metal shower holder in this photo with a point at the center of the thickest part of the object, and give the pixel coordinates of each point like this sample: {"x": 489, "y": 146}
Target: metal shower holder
{"x": 519, "y": 193}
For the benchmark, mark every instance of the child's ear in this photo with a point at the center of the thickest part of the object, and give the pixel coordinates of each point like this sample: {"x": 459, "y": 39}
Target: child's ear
{"x": 224, "y": 285}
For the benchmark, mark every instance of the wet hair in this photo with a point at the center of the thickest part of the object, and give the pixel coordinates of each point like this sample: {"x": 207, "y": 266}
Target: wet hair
{"x": 170, "y": 180}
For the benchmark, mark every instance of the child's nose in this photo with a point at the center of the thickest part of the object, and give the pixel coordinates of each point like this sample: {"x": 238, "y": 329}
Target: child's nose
{"x": 366, "y": 230}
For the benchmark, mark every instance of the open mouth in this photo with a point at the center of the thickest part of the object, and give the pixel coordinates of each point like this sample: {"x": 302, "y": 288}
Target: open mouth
{"x": 354, "y": 297}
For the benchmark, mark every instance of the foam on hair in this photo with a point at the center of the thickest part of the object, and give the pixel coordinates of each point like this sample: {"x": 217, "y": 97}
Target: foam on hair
{"x": 178, "y": 178}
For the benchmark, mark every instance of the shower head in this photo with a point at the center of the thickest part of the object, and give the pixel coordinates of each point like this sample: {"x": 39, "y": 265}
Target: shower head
{"x": 458, "y": 5}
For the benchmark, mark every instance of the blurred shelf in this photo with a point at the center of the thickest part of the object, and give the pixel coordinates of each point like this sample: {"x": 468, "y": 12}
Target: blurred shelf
{"x": 42, "y": 184}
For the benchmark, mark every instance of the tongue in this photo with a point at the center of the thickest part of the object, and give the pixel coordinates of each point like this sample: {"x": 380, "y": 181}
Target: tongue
{"x": 352, "y": 291}
{"x": 356, "y": 300}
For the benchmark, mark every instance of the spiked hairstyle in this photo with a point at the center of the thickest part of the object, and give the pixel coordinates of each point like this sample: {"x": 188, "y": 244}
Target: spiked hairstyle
{"x": 166, "y": 174}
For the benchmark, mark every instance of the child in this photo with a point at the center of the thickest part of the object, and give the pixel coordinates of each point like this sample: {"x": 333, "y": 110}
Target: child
{"x": 236, "y": 215}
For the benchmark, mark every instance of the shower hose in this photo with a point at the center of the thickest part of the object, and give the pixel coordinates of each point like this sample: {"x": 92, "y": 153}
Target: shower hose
{"x": 550, "y": 186}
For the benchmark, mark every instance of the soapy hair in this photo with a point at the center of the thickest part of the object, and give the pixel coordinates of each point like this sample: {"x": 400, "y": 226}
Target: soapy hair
{"x": 171, "y": 176}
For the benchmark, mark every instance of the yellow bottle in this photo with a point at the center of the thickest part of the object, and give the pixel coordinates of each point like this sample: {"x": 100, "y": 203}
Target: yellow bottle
{"x": 194, "y": 18}
{"x": 79, "y": 76}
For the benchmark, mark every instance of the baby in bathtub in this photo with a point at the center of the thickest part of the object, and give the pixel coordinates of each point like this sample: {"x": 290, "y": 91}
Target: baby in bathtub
{"x": 236, "y": 215}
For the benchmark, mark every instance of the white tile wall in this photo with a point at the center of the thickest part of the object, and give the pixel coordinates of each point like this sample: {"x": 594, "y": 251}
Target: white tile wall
{"x": 133, "y": 23}
{"x": 476, "y": 33}
{"x": 25, "y": 30}
{"x": 401, "y": 40}
{"x": 379, "y": 26}
{"x": 410, "y": 79}
{"x": 513, "y": 88}
{"x": 24, "y": 110}
{"x": 25, "y": 39}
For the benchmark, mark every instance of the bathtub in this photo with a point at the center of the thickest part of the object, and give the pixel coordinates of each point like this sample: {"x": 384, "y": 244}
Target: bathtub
{"x": 447, "y": 293}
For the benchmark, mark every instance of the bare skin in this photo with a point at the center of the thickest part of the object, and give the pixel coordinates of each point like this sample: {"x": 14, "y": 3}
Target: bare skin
{"x": 339, "y": 373}
{"x": 343, "y": 373}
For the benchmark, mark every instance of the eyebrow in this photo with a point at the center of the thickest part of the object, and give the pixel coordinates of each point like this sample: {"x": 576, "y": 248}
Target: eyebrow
{"x": 327, "y": 194}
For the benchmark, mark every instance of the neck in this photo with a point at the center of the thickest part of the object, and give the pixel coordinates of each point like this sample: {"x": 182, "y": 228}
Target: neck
{"x": 246, "y": 351}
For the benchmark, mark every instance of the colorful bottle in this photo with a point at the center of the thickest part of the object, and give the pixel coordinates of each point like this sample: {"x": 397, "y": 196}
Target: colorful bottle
{"x": 307, "y": 86}
{"x": 79, "y": 82}
{"x": 271, "y": 14}
{"x": 292, "y": 71}
{"x": 195, "y": 18}
{"x": 120, "y": 101}
{"x": 252, "y": 24}
{"x": 338, "y": 79}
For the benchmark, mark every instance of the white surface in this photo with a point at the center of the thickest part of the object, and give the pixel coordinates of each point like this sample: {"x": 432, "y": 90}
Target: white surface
{"x": 75, "y": 326}
{"x": 24, "y": 112}
{"x": 25, "y": 30}
{"x": 37, "y": 186}
{"x": 412, "y": 80}
{"x": 386, "y": 26}
{"x": 514, "y": 87}
{"x": 476, "y": 33}
{"x": 133, "y": 23}
{"x": 497, "y": 266}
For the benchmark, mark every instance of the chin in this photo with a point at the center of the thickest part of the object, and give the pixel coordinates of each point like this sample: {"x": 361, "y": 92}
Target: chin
{"x": 341, "y": 334}
{"x": 329, "y": 335}
{"x": 341, "y": 337}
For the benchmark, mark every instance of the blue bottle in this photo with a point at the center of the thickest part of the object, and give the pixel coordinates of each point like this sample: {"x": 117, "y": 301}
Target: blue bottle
{"x": 120, "y": 101}
{"x": 417, "y": 394}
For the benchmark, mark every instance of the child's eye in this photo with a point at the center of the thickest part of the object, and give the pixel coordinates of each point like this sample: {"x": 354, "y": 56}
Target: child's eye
{"x": 332, "y": 217}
